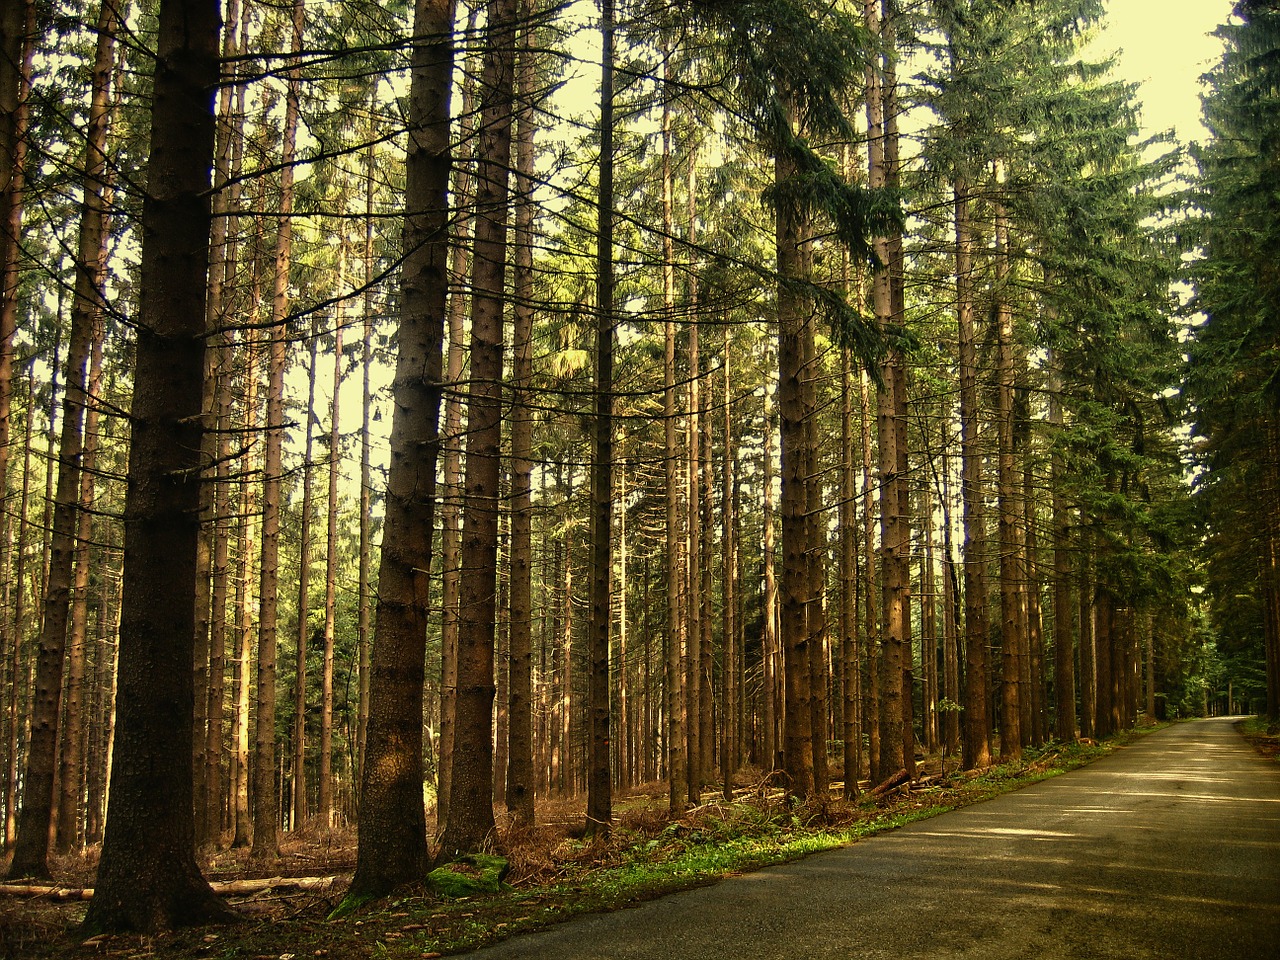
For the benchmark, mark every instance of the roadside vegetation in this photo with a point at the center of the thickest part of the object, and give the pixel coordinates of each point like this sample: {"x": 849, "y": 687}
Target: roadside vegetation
{"x": 551, "y": 872}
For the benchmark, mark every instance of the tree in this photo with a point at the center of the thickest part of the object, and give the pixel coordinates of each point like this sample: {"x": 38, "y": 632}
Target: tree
{"x": 392, "y": 821}
{"x": 470, "y": 817}
{"x": 147, "y": 876}
{"x": 599, "y": 773}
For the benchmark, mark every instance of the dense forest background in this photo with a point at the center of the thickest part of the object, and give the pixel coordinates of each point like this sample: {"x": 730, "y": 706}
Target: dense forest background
{"x": 570, "y": 397}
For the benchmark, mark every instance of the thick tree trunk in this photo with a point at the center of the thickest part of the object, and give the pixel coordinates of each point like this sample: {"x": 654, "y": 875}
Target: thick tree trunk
{"x": 470, "y": 818}
{"x": 392, "y": 829}
{"x": 851, "y": 655}
{"x": 148, "y": 878}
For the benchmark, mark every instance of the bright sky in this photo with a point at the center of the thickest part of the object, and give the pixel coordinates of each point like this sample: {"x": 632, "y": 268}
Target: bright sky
{"x": 1164, "y": 44}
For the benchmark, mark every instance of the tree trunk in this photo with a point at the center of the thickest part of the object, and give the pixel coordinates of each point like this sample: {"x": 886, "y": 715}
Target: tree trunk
{"x": 520, "y": 771}
{"x": 326, "y": 811}
{"x": 304, "y": 594}
{"x": 470, "y": 818}
{"x": 1011, "y": 635}
{"x": 731, "y": 736}
{"x": 30, "y": 852}
{"x": 1064, "y": 680}
{"x": 148, "y": 878}
{"x": 599, "y": 772}
{"x": 266, "y": 815}
{"x": 798, "y": 757}
{"x": 392, "y": 830}
{"x": 773, "y": 701}
{"x": 851, "y": 654}
{"x": 977, "y": 723}
{"x": 677, "y": 768}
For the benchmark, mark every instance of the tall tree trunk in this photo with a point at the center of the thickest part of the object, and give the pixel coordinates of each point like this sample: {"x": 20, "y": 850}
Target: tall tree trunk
{"x": 977, "y": 723}
{"x": 1011, "y": 636}
{"x": 677, "y": 768}
{"x": 693, "y": 527}
{"x": 86, "y": 310}
{"x": 266, "y": 814}
{"x": 17, "y": 32}
{"x": 1085, "y": 640}
{"x": 792, "y": 314}
{"x": 392, "y": 830}
{"x": 148, "y": 878}
{"x": 30, "y": 854}
{"x": 452, "y": 439}
{"x": 731, "y": 736}
{"x": 326, "y": 809}
{"x": 304, "y": 593}
{"x": 773, "y": 703}
{"x": 851, "y": 654}
{"x": 520, "y": 771}
{"x": 470, "y": 817}
{"x": 816, "y": 563}
{"x": 599, "y": 772}
{"x": 364, "y": 589}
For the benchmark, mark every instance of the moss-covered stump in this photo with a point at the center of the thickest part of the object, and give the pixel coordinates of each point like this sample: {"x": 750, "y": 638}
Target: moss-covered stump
{"x": 468, "y": 876}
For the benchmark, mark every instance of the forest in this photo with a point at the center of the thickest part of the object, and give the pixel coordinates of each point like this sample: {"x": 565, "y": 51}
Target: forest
{"x": 413, "y": 411}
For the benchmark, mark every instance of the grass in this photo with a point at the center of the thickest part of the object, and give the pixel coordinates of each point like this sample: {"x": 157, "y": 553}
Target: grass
{"x": 555, "y": 876}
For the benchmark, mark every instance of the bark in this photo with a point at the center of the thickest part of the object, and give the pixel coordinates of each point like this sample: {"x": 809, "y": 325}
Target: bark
{"x": 266, "y": 814}
{"x": 74, "y": 773}
{"x": 304, "y": 593}
{"x": 364, "y": 591}
{"x": 730, "y": 738}
{"x": 228, "y": 163}
{"x": 1085, "y": 642}
{"x": 977, "y": 723}
{"x": 392, "y": 829}
{"x": 1064, "y": 681}
{"x": 30, "y": 853}
{"x": 452, "y": 439}
{"x": 470, "y": 819}
{"x": 1011, "y": 634}
{"x": 599, "y": 773}
{"x": 326, "y": 811}
{"x": 816, "y": 562}
{"x": 520, "y": 770}
{"x": 17, "y": 28}
{"x": 677, "y": 770}
{"x": 893, "y": 586}
{"x": 798, "y": 757}
{"x": 851, "y": 654}
{"x": 694, "y": 528}
{"x": 773, "y": 703}
{"x": 147, "y": 877}
{"x": 871, "y": 603}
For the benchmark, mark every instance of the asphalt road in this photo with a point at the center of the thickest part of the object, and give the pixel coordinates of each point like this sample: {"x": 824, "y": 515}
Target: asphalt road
{"x": 1169, "y": 848}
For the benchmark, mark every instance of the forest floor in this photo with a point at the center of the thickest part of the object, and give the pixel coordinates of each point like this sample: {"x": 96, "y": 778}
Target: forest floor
{"x": 554, "y": 874}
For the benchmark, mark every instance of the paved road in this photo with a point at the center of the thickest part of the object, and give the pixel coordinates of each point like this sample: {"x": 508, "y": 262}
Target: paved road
{"x": 1167, "y": 849}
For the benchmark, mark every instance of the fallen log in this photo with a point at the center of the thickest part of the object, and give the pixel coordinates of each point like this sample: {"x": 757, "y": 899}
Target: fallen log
{"x": 897, "y": 780}
{"x": 226, "y": 888}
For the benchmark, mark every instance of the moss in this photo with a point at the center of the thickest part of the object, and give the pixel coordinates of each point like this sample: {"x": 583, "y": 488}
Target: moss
{"x": 467, "y": 876}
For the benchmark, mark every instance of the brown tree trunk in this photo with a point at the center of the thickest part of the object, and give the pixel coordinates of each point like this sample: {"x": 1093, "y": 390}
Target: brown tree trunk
{"x": 520, "y": 772}
{"x": 851, "y": 654}
{"x": 147, "y": 877}
{"x": 1064, "y": 680}
{"x": 599, "y": 773}
{"x": 326, "y": 807}
{"x": 470, "y": 818}
{"x": 299, "y": 783}
{"x": 773, "y": 701}
{"x": 266, "y": 815}
{"x": 977, "y": 723}
{"x": 677, "y": 767}
{"x": 30, "y": 852}
{"x": 392, "y": 830}
{"x": 1011, "y": 635}
{"x": 798, "y": 757}
{"x": 730, "y": 736}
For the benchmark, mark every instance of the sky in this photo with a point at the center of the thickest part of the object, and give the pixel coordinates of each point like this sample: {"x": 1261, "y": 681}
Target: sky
{"x": 1164, "y": 45}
